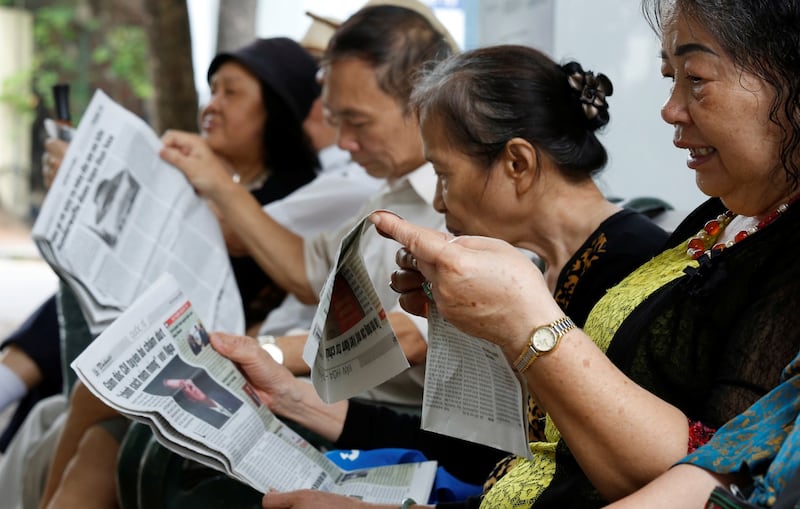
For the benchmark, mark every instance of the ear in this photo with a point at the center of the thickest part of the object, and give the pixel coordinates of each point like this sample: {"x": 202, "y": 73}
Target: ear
{"x": 520, "y": 162}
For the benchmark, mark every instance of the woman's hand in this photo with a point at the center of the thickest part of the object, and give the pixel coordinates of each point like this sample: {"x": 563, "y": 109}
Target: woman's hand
{"x": 313, "y": 499}
{"x": 483, "y": 286}
{"x": 407, "y": 281}
{"x": 278, "y": 388}
{"x": 192, "y": 156}
{"x": 54, "y": 150}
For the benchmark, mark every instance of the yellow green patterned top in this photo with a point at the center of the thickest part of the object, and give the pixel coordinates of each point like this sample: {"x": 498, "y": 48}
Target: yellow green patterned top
{"x": 523, "y": 484}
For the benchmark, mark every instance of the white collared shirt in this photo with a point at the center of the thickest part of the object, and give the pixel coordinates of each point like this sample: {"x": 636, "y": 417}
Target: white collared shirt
{"x": 337, "y": 193}
{"x": 411, "y": 197}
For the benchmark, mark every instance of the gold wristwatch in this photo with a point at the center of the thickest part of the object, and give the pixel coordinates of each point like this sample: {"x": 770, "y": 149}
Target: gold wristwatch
{"x": 543, "y": 340}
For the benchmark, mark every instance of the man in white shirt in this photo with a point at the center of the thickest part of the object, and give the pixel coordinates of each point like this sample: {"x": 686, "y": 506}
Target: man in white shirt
{"x": 369, "y": 67}
{"x": 338, "y": 192}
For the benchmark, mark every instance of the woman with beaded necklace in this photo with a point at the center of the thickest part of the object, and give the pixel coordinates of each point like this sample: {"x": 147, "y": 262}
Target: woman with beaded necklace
{"x": 692, "y": 338}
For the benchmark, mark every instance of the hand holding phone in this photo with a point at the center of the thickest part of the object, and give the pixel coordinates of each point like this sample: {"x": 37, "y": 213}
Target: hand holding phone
{"x": 61, "y": 127}
{"x": 59, "y": 134}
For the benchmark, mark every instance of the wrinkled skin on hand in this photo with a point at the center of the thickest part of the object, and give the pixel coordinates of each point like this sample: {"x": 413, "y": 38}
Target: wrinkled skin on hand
{"x": 407, "y": 281}
{"x": 483, "y": 286}
{"x": 311, "y": 499}
{"x": 194, "y": 158}
{"x": 271, "y": 381}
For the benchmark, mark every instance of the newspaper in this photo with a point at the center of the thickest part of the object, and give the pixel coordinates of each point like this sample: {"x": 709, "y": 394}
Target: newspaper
{"x": 117, "y": 216}
{"x": 351, "y": 346}
{"x": 471, "y": 392}
{"x": 155, "y": 364}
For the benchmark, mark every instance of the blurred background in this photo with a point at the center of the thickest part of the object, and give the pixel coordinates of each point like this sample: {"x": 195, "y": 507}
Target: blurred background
{"x": 152, "y": 55}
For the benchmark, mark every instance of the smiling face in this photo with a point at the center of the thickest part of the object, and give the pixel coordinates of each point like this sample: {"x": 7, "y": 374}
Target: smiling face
{"x": 721, "y": 116}
{"x": 371, "y": 124}
{"x": 475, "y": 200}
{"x": 233, "y": 120}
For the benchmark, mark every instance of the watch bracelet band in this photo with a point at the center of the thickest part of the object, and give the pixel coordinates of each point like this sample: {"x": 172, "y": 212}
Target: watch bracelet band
{"x": 266, "y": 339}
{"x": 530, "y": 354}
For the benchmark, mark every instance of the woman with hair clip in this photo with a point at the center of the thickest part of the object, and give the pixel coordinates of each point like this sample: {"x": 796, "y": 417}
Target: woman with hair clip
{"x": 512, "y": 137}
{"x": 689, "y": 340}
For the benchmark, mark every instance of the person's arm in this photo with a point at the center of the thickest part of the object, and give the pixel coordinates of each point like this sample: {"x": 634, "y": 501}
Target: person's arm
{"x": 313, "y": 499}
{"x": 681, "y": 486}
{"x": 292, "y": 349}
{"x": 85, "y": 410}
{"x": 278, "y": 388}
{"x": 411, "y": 341}
{"x": 277, "y": 250}
{"x": 621, "y": 435}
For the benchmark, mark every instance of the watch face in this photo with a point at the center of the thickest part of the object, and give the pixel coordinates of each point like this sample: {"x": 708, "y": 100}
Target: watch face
{"x": 544, "y": 339}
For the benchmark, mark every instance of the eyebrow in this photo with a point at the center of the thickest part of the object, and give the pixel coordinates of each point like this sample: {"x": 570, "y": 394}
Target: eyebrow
{"x": 685, "y": 49}
{"x": 347, "y": 111}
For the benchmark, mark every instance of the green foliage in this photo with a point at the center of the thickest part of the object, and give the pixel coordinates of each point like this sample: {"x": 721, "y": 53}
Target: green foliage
{"x": 15, "y": 92}
{"x": 82, "y": 51}
{"x": 125, "y": 54}
{"x": 55, "y": 57}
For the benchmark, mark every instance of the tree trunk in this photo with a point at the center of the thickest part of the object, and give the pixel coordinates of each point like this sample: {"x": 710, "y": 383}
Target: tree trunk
{"x": 174, "y": 94}
{"x": 236, "y": 24}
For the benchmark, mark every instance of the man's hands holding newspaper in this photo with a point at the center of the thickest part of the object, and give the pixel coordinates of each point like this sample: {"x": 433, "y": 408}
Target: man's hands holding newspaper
{"x": 285, "y": 395}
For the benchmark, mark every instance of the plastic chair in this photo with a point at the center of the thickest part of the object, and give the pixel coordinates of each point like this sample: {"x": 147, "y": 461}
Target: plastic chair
{"x": 648, "y": 205}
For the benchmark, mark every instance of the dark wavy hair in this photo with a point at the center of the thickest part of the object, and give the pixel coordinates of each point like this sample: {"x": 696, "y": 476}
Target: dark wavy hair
{"x": 397, "y": 42}
{"x": 762, "y": 38}
{"x": 288, "y": 153}
{"x": 487, "y": 96}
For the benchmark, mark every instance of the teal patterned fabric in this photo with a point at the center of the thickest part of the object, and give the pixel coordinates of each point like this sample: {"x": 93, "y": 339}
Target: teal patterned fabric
{"x": 764, "y": 440}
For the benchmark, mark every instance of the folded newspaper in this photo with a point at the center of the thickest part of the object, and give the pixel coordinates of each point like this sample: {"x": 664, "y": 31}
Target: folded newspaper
{"x": 117, "y": 216}
{"x": 470, "y": 390}
{"x": 351, "y": 346}
{"x": 155, "y": 364}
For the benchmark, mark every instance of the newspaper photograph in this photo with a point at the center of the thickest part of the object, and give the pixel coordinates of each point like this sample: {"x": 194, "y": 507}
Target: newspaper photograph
{"x": 117, "y": 216}
{"x": 155, "y": 364}
{"x": 351, "y": 346}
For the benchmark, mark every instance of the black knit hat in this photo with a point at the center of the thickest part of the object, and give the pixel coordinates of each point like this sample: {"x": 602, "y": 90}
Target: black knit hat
{"x": 282, "y": 65}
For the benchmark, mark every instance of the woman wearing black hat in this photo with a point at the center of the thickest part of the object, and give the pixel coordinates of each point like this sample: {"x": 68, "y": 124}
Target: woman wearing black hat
{"x": 260, "y": 95}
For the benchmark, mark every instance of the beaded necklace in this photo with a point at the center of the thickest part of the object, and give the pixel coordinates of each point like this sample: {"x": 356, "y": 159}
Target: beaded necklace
{"x": 705, "y": 242}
